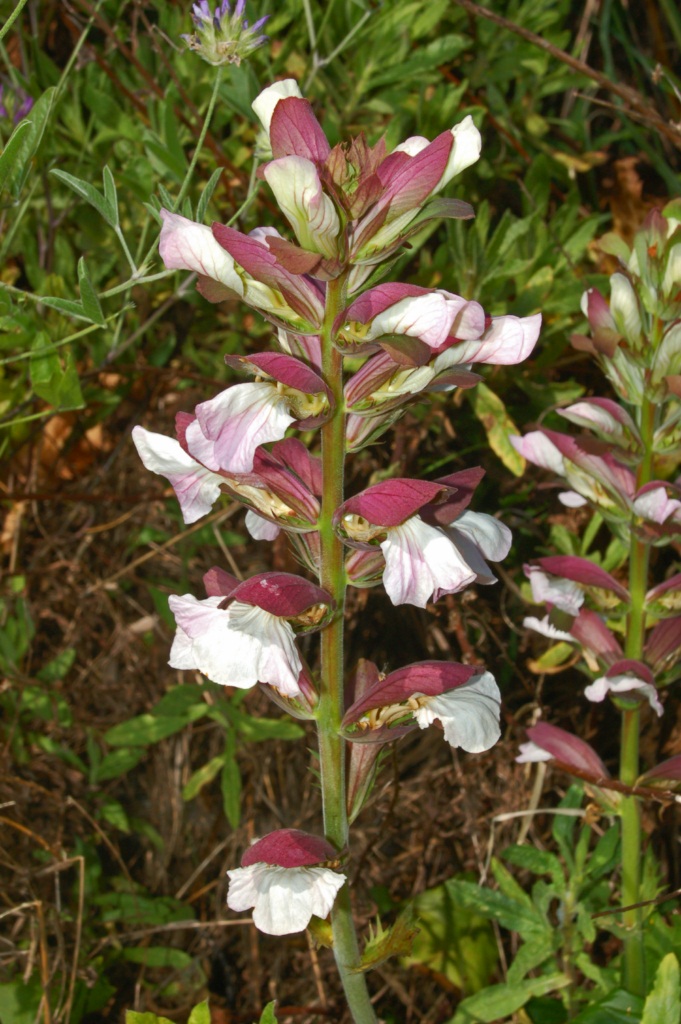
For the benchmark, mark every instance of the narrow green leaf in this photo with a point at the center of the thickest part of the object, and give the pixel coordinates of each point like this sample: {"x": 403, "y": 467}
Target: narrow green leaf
{"x": 11, "y": 157}
{"x": 115, "y": 764}
{"x": 143, "y": 730}
{"x": 202, "y": 777}
{"x": 110, "y": 194}
{"x": 91, "y": 195}
{"x": 207, "y": 195}
{"x": 88, "y": 295}
{"x": 68, "y": 306}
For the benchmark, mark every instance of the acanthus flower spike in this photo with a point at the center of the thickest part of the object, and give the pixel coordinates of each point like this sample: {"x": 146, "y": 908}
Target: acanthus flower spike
{"x": 285, "y": 879}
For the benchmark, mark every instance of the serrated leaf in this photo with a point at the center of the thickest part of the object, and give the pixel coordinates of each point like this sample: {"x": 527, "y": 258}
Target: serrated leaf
{"x": 91, "y": 195}
{"x": 88, "y": 296}
{"x": 491, "y": 412}
{"x": 397, "y": 940}
{"x": 202, "y": 777}
{"x": 664, "y": 1001}
{"x": 143, "y": 730}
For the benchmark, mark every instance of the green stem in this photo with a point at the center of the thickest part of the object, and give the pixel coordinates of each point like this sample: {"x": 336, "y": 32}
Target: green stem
{"x": 330, "y": 709}
{"x": 633, "y": 972}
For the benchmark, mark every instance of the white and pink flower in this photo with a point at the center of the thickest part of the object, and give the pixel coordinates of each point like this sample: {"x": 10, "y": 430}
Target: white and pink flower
{"x": 284, "y": 880}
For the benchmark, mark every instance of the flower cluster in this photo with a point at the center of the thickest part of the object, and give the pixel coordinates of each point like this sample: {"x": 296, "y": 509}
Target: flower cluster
{"x": 349, "y": 209}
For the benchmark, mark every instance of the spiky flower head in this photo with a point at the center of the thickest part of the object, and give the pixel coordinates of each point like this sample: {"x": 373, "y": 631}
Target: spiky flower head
{"x": 223, "y": 36}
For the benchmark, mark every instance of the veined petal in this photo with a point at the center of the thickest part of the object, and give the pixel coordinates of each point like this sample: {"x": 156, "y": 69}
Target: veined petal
{"x": 310, "y": 212}
{"x": 260, "y": 528}
{"x": 283, "y": 899}
{"x": 185, "y": 245}
{"x": 197, "y": 488}
{"x": 490, "y": 535}
{"x": 235, "y": 646}
{"x": 241, "y": 418}
{"x": 654, "y": 504}
{"x": 420, "y": 560}
{"x": 469, "y": 714}
{"x": 538, "y": 449}
{"x": 624, "y": 307}
{"x": 507, "y": 341}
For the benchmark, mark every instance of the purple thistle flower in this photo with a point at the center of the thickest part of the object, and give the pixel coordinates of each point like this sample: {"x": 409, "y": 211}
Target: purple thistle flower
{"x": 223, "y": 36}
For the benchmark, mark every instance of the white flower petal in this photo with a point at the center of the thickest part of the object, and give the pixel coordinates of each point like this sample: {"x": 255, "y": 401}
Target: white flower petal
{"x": 536, "y": 448}
{"x": 469, "y": 714}
{"x": 570, "y": 499}
{"x": 196, "y": 487}
{"x": 564, "y": 594}
{"x": 235, "y": 646}
{"x": 544, "y": 627}
{"x": 241, "y": 418}
{"x": 266, "y": 101}
{"x": 465, "y": 151}
{"x": 185, "y": 245}
{"x": 530, "y": 753}
{"x": 283, "y": 899}
{"x": 491, "y": 536}
{"x": 260, "y": 528}
{"x": 419, "y": 560}
{"x": 624, "y": 307}
{"x": 600, "y": 688}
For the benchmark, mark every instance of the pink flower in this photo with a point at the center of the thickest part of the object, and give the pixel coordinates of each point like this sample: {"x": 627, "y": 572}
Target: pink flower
{"x": 197, "y": 487}
{"x": 465, "y": 700}
{"x": 629, "y": 678}
{"x": 430, "y": 545}
{"x": 240, "y": 634}
{"x": 284, "y": 880}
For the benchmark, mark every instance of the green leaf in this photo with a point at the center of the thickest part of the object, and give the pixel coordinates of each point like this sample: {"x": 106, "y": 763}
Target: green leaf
{"x": 618, "y": 1007}
{"x": 202, "y": 777}
{"x": 397, "y": 940}
{"x": 110, "y": 194}
{"x": 556, "y": 656}
{"x": 91, "y": 195}
{"x": 114, "y": 812}
{"x": 255, "y": 729}
{"x": 180, "y": 699}
{"x": 540, "y": 862}
{"x": 498, "y": 425}
{"x": 664, "y": 1001}
{"x": 56, "y": 669}
{"x": 88, "y": 296}
{"x": 207, "y": 195}
{"x": 158, "y": 956}
{"x": 200, "y": 1014}
{"x": 454, "y": 939}
{"x": 137, "y": 909}
{"x": 118, "y": 763}
{"x": 510, "y": 913}
{"x": 143, "y": 730}
{"x": 20, "y": 1001}
{"x": 11, "y": 156}
{"x": 56, "y": 384}
{"x": 500, "y": 1001}
{"x": 267, "y": 1015}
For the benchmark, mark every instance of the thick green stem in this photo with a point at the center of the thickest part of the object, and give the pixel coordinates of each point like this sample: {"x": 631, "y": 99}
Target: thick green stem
{"x": 633, "y": 972}
{"x": 330, "y": 710}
